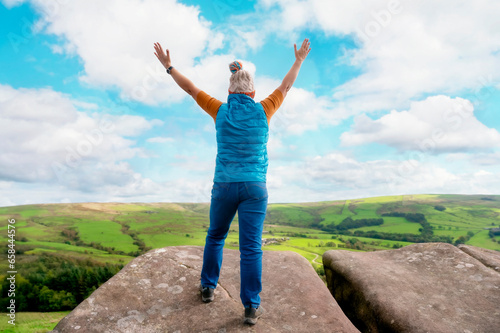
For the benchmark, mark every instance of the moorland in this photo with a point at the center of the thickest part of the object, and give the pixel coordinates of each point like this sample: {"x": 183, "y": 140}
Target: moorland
{"x": 65, "y": 251}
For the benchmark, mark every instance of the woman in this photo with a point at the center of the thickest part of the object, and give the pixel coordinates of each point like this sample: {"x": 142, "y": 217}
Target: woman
{"x": 242, "y": 127}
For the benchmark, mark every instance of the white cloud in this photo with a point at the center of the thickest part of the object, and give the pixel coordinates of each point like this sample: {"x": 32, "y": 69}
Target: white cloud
{"x": 134, "y": 189}
{"x": 12, "y": 3}
{"x": 160, "y": 139}
{"x": 115, "y": 40}
{"x": 123, "y": 57}
{"x": 333, "y": 176}
{"x": 436, "y": 124}
{"x": 426, "y": 47}
{"x": 477, "y": 159}
{"x": 301, "y": 110}
{"x": 406, "y": 48}
{"x": 47, "y": 138}
{"x": 492, "y": 159}
{"x": 336, "y": 176}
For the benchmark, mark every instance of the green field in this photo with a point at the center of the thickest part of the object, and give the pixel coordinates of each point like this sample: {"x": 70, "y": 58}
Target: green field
{"x": 109, "y": 232}
{"x": 167, "y": 224}
{"x": 32, "y": 322}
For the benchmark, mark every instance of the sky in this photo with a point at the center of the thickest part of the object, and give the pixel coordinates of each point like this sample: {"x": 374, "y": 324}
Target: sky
{"x": 396, "y": 97}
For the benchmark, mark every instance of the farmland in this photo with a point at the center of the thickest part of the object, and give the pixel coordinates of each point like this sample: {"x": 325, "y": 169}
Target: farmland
{"x": 102, "y": 237}
{"x": 111, "y": 232}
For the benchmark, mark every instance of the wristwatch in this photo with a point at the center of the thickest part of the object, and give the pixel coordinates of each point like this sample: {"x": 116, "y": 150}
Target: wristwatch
{"x": 169, "y": 69}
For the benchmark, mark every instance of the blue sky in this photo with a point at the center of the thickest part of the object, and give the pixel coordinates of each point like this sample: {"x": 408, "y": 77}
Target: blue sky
{"x": 396, "y": 97}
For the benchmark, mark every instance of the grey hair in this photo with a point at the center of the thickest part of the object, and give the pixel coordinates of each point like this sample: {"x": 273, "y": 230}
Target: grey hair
{"x": 241, "y": 82}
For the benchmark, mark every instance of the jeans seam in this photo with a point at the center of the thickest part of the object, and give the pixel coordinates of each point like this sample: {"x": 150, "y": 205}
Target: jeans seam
{"x": 224, "y": 187}
{"x": 250, "y": 196}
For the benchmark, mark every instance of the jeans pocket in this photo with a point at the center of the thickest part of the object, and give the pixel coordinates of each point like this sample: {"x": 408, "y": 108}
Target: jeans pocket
{"x": 219, "y": 191}
{"x": 256, "y": 190}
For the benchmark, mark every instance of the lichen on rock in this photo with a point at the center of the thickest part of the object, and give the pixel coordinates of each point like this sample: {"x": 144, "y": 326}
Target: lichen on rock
{"x": 428, "y": 287}
{"x": 158, "y": 292}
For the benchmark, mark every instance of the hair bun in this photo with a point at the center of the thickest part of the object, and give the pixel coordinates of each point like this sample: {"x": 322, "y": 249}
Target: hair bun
{"x": 235, "y": 66}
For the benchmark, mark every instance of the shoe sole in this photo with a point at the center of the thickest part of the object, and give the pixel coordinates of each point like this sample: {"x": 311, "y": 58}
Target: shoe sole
{"x": 250, "y": 321}
{"x": 253, "y": 321}
{"x": 207, "y": 300}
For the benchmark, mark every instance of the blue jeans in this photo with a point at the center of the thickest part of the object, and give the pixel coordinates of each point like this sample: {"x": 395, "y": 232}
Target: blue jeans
{"x": 250, "y": 200}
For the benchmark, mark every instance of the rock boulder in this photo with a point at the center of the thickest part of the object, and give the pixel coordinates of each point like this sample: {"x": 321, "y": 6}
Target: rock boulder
{"x": 158, "y": 292}
{"x": 489, "y": 258}
{"x": 429, "y": 287}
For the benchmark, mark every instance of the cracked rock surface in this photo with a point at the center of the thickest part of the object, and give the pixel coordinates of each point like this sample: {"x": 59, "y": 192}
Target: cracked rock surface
{"x": 429, "y": 287}
{"x": 489, "y": 258}
{"x": 159, "y": 292}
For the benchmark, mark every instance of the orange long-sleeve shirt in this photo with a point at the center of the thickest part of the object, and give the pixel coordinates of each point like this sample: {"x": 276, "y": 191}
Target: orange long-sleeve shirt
{"x": 211, "y": 105}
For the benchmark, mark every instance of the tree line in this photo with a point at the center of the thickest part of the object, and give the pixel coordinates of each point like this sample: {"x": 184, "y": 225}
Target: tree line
{"x": 348, "y": 223}
{"x": 426, "y": 232}
{"x": 72, "y": 237}
{"x": 53, "y": 283}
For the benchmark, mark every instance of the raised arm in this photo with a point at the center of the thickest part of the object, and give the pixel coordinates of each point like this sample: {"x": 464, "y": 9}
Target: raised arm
{"x": 180, "y": 79}
{"x": 300, "y": 56}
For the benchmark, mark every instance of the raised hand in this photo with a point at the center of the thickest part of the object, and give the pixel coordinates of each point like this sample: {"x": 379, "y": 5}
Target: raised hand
{"x": 163, "y": 57}
{"x": 302, "y": 53}
{"x": 300, "y": 56}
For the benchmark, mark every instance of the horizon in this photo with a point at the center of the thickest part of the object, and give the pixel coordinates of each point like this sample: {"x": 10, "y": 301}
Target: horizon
{"x": 394, "y": 97}
{"x": 271, "y": 203}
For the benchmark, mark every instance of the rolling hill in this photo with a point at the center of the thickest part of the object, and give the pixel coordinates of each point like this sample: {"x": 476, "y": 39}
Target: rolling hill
{"x": 65, "y": 251}
{"x": 116, "y": 232}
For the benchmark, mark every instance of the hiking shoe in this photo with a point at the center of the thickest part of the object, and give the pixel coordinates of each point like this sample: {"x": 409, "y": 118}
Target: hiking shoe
{"x": 252, "y": 314}
{"x": 207, "y": 294}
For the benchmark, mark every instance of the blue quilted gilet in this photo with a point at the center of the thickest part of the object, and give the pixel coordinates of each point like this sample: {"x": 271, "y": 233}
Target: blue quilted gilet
{"x": 242, "y": 133}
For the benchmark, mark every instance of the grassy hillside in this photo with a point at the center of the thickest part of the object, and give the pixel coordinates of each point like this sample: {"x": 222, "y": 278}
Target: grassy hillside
{"x": 463, "y": 215}
{"x": 115, "y": 233}
{"x": 112, "y": 232}
{"x": 33, "y": 322}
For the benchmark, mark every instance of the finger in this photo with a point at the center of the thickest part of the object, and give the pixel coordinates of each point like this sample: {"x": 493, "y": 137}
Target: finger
{"x": 295, "y": 47}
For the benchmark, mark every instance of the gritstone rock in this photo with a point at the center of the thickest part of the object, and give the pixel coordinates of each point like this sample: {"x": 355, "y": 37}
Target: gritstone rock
{"x": 489, "y": 258}
{"x": 158, "y": 292}
{"x": 429, "y": 287}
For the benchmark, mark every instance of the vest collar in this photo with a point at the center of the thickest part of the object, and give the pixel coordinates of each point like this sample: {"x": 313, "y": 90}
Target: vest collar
{"x": 251, "y": 94}
{"x": 240, "y": 98}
